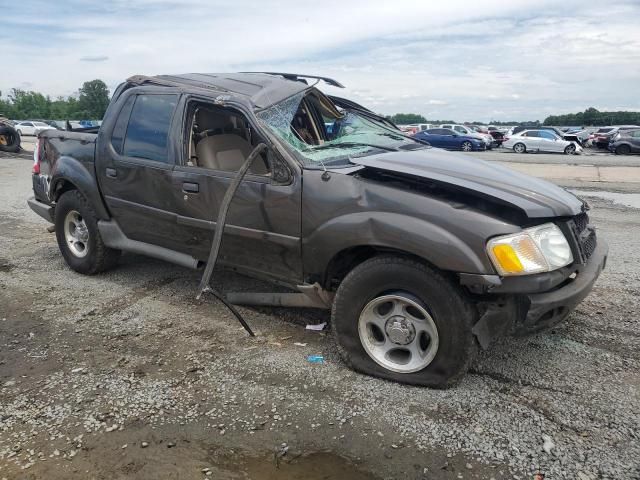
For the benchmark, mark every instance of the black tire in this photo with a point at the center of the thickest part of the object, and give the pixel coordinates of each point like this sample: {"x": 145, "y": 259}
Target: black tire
{"x": 11, "y": 140}
{"x": 98, "y": 257}
{"x": 623, "y": 150}
{"x": 570, "y": 149}
{"x": 453, "y": 314}
{"x": 517, "y": 146}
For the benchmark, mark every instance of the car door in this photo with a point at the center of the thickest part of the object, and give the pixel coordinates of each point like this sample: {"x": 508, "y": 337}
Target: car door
{"x": 262, "y": 233}
{"x": 135, "y": 160}
{"x": 531, "y": 139}
{"x": 27, "y": 128}
{"x": 549, "y": 142}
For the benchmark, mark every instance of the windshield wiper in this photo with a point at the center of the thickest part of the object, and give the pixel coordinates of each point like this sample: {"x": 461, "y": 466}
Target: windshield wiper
{"x": 354, "y": 144}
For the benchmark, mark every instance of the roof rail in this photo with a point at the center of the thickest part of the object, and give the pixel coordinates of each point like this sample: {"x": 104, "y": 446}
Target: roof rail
{"x": 299, "y": 76}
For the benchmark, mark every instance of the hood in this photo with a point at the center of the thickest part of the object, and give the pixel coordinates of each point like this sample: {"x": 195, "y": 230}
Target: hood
{"x": 537, "y": 198}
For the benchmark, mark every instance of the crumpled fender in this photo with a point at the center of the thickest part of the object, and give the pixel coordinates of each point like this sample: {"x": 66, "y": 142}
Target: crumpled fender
{"x": 393, "y": 230}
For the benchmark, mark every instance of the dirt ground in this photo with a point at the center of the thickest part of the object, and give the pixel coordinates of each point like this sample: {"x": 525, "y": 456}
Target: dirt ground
{"x": 127, "y": 375}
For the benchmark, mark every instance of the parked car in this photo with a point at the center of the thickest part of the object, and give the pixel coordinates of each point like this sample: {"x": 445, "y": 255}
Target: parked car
{"x": 421, "y": 254}
{"x": 625, "y": 142}
{"x": 569, "y": 137}
{"x": 604, "y": 136}
{"x": 464, "y": 130}
{"x": 31, "y": 127}
{"x": 408, "y": 129}
{"x": 540, "y": 141}
{"x": 451, "y": 140}
{"x": 496, "y": 136}
{"x": 419, "y": 127}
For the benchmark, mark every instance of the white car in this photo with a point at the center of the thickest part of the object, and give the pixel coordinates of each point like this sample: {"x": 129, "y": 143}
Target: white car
{"x": 540, "y": 141}
{"x": 31, "y": 128}
{"x": 461, "y": 129}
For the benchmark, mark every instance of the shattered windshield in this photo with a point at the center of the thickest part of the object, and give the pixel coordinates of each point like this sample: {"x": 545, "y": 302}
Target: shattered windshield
{"x": 323, "y": 135}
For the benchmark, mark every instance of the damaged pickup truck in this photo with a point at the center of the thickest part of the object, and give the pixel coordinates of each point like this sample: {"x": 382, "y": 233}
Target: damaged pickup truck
{"x": 422, "y": 255}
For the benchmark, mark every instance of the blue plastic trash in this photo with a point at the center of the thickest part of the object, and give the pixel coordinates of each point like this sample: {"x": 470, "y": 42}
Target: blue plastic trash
{"x": 315, "y": 358}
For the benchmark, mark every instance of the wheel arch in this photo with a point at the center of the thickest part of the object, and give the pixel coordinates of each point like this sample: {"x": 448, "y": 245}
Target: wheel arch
{"x": 337, "y": 247}
{"x": 71, "y": 174}
{"x": 346, "y": 260}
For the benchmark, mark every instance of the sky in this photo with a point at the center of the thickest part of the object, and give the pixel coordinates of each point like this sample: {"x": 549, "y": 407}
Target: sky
{"x": 460, "y": 60}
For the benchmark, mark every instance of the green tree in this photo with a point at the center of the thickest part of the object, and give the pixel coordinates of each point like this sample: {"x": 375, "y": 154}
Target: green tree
{"x": 29, "y": 104}
{"x": 93, "y": 99}
{"x": 407, "y": 118}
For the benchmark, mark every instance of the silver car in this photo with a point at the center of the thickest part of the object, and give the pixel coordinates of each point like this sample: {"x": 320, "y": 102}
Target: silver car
{"x": 540, "y": 141}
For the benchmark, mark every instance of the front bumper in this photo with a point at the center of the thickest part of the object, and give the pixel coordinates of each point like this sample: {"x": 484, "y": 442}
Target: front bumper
{"x": 549, "y": 308}
{"x": 527, "y": 305}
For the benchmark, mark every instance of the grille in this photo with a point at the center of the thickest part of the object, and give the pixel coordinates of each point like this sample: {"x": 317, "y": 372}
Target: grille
{"x": 584, "y": 235}
{"x": 581, "y": 221}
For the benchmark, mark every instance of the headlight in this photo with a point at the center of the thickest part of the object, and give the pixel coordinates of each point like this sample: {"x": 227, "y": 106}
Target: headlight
{"x": 534, "y": 250}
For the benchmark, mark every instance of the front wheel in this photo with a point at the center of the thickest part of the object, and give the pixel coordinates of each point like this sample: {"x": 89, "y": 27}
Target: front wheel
{"x": 466, "y": 146}
{"x": 570, "y": 149}
{"x": 519, "y": 148}
{"x": 623, "y": 150}
{"x": 399, "y": 319}
{"x": 78, "y": 236}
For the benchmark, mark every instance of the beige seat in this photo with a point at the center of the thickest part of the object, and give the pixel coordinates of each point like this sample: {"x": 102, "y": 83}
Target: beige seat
{"x": 227, "y": 152}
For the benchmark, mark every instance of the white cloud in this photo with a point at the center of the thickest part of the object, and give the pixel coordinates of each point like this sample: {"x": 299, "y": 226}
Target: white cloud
{"x": 516, "y": 57}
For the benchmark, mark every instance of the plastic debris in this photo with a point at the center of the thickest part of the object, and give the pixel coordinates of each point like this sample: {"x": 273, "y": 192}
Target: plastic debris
{"x": 315, "y": 358}
{"x": 317, "y": 327}
{"x": 299, "y": 344}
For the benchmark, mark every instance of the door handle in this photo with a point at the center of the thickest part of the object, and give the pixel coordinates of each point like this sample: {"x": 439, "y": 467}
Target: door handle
{"x": 189, "y": 187}
{"x": 111, "y": 173}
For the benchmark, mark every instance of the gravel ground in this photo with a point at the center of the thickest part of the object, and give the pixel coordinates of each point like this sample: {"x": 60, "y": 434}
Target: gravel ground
{"x": 126, "y": 375}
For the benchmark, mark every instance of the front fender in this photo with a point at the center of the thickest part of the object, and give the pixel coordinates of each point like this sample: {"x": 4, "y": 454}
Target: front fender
{"x": 69, "y": 169}
{"x": 400, "y": 232}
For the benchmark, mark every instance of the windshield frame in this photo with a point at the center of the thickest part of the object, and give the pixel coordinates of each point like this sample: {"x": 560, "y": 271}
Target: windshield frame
{"x": 373, "y": 126}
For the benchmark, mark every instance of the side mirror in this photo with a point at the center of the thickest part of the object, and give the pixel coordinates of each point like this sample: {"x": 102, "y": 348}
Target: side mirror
{"x": 280, "y": 172}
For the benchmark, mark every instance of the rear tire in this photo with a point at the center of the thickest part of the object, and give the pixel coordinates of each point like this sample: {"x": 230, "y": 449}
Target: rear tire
{"x": 623, "y": 150}
{"x": 520, "y": 148}
{"x": 427, "y": 300}
{"x": 78, "y": 236}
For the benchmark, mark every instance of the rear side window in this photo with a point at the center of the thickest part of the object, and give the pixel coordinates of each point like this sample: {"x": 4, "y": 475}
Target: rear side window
{"x": 148, "y": 127}
{"x": 120, "y": 127}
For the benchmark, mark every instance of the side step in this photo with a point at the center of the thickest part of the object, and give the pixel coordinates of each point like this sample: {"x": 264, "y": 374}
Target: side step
{"x": 310, "y": 296}
{"x": 114, "y": 237}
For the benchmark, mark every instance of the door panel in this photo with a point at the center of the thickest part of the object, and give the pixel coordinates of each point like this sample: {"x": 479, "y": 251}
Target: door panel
{"x": 135, "y": 169}
{"x": 262, "y": 233}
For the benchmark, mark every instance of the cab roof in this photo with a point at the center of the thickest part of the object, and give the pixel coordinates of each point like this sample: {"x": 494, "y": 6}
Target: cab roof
{"x": 262, "y": 89}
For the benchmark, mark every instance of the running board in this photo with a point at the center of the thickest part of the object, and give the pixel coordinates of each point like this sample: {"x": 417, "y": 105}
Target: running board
{"x": 114, "y": 237}
{"x": 310, "y": 296}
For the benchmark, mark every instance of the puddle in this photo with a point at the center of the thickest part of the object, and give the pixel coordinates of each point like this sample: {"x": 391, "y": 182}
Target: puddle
{"x": 627, "y": 199}
{"x": 315, "y": 466}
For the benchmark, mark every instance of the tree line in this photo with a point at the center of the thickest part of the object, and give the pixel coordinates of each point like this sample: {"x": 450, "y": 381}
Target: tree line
{"x": 412, "y": 118}
{"x": 90, "y": 104}
{"x": 592, "y": 117}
